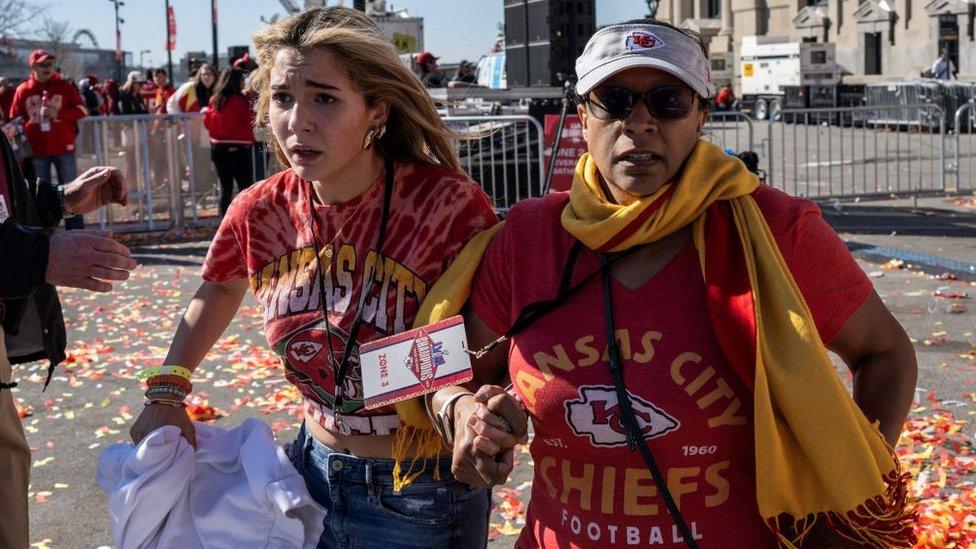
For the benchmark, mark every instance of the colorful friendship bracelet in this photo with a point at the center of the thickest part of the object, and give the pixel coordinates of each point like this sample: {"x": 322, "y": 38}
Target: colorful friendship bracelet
{"x": 166, "y": 370}
{"x": 173, "y": 381}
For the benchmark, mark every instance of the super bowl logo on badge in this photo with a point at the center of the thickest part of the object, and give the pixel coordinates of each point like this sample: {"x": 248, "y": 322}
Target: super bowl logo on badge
{"x": 639, "y": 40}
{"x": 597, "y": 415}
{"x": 424, "y": 358}
{"x": 415, "y": 362}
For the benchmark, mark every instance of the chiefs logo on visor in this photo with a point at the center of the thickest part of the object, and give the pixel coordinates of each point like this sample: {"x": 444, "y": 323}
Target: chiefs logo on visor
{"x": 643, "y": 41}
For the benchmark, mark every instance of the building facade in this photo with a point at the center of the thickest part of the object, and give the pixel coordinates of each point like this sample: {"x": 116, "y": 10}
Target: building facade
{"x": 875, "y": 39}
{"x": 73, "y": 61}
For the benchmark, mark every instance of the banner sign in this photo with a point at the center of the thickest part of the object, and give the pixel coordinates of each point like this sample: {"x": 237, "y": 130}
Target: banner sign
{"x": 571, "y": 148}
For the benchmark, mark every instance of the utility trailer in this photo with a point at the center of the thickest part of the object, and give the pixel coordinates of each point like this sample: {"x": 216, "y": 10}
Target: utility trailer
{"x": 770, "y": 63}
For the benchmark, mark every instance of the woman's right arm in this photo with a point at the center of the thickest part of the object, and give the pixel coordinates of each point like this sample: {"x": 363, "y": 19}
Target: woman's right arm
{"x": 208, "y": 315}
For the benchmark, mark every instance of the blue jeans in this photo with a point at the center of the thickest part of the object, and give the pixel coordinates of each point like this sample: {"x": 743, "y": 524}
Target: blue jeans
{"x": 67, "y": 168}
{"x": 365, "y": 513}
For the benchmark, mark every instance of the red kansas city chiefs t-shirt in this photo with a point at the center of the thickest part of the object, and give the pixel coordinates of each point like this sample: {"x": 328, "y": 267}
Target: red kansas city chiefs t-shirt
{"x": 266, "y": 236}
{"x": 589, "y": 489}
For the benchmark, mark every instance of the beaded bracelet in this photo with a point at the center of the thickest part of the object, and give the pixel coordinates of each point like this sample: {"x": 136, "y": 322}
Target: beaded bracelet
{"x": 162, "y": 389}
{"x": 165, "y": 391}
{"x": 171, "y": 381}
{"x": 166, "y": 402}
{"x": 165, "y": 396}
{"x": 174, "y": 390}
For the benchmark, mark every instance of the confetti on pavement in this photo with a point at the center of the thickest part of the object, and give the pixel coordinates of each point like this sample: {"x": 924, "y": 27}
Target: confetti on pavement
{"x": 95, "y": 397}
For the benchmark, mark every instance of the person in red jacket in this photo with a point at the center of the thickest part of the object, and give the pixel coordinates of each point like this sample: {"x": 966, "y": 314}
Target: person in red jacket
{"x": 158, "y": 161}
{"x": 230, "y": 122}
{"x": 163, "y": 90}
{"x": 51, "y": 107}
{"x": 6, "y": 96}
{"x": 725, "y": 99}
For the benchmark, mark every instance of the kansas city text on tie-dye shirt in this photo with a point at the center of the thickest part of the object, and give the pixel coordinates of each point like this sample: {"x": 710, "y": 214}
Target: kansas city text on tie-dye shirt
{"x": 266, "y": 236}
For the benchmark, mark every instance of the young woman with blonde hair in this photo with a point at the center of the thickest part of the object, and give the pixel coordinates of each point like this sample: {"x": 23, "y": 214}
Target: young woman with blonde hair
{"x": 340, "y": 249}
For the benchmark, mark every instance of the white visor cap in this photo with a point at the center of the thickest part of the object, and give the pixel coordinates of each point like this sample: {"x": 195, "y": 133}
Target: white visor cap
{"x": 617, "y": 48}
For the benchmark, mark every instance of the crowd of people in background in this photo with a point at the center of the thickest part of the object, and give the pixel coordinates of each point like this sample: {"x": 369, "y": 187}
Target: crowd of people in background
{"x": 223, "y": 96}
{"x": 40, "y": 117}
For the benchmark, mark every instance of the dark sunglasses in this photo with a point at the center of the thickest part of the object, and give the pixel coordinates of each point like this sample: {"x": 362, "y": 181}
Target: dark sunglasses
{"x": 670, "y": 102}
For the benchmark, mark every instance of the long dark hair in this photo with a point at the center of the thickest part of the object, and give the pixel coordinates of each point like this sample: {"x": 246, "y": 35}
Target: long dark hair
{"x": 203, "y": 92}
{"x": 230, "y": 82}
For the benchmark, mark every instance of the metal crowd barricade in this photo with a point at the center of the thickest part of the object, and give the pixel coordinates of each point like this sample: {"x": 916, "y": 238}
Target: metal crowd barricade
{"x": 884, "y": 97}
{"x": 963, "y": 168}
{"x": 172, "y": 185}
{"x": 830, "y": 153}
{"x": 858, "y": 152}
{"x": 166, "y": 164}
{"x": 502, "y": 153}
{"x": 730, "y": 130}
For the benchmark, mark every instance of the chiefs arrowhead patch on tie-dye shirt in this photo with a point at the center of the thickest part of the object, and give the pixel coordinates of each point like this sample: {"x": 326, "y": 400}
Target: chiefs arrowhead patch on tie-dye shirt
{"x": 266, "y": 236}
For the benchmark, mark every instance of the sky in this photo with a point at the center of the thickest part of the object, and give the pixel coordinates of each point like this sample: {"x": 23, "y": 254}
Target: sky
{"x": 453, "y": 29}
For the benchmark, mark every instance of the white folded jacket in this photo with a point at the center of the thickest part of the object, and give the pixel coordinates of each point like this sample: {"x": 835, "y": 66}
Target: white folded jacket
{"x": 237, "y": 489}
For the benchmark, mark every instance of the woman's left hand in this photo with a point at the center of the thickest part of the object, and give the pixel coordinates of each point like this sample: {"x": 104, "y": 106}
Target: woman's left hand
{"x": 500, "y": 423}
{"x": 488, "y": 428}
{"x": 501, "y": 414}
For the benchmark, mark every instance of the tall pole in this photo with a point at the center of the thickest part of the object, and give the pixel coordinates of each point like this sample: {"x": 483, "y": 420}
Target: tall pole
{"x": 169, "y": 52}
{"x": 528, "y": 63}
{"x": 118, "y": 44}
{"x": 213, "y": 19}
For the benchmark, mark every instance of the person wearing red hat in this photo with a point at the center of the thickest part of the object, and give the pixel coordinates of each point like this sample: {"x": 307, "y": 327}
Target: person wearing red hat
{"x": 51, "y": 106}
{"x": 432, "y": 77}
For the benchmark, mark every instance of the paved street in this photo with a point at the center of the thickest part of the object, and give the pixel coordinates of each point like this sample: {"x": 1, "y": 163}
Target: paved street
{"x": 95, "y": 397}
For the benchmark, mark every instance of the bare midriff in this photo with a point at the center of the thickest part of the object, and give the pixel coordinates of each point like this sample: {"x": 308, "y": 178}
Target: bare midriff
{"x": 364, "y": 446}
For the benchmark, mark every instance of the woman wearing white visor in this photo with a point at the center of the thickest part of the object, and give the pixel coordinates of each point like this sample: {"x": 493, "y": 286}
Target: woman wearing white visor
{"x": 668, "y": 338}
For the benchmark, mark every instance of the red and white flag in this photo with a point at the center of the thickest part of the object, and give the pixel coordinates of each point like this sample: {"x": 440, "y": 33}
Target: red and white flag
{"x": 170, "y": 29}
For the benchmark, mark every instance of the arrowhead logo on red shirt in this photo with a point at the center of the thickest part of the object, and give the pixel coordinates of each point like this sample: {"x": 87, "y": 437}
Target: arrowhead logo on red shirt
{"x": 597, "y": 414}
{"x": 306, "y": 346}
{"x": 304, "y": 351}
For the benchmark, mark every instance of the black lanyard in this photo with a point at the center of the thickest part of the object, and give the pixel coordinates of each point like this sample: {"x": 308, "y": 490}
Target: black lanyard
{"x": 340, "y": 373}
{"x": 629, "y": 420}
{"x": 635, "y": 440}
{"x": 534, "y": 311}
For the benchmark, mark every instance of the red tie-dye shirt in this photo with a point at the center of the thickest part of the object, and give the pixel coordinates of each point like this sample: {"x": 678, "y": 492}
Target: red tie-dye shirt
{"x": 266, "y": 236}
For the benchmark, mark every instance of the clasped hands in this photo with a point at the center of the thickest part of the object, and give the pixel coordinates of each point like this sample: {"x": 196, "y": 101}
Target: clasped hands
{"x": 487, "y": 428}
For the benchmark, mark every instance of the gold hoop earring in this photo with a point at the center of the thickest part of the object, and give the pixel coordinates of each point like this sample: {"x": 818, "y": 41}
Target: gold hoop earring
{"x": 372, "y": 135}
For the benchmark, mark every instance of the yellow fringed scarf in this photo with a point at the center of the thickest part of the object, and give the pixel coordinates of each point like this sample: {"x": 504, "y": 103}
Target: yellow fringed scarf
{"x": 817, "y": 457}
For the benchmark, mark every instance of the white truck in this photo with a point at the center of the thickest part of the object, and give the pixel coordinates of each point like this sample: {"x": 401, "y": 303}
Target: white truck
{"x": 770, "y": 63}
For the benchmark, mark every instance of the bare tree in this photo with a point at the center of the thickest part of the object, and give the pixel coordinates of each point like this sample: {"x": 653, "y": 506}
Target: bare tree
{"x": 16, "y": 17}
{"x": 57, "y": 39}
